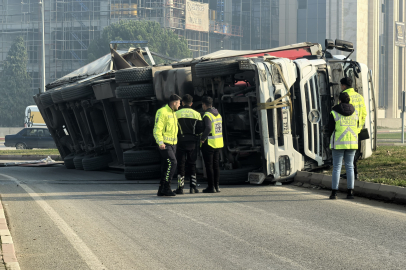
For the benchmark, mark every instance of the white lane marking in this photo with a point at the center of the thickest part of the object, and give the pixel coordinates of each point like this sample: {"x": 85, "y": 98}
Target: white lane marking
{"x": 84, "y": 251}
{"x": 158, "y": 202}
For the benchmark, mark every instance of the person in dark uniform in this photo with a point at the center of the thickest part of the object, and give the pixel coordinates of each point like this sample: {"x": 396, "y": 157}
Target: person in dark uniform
{"x": 190, "y": 127}
{"x": 166, "y": 136}
{"x": 212, "y": 142}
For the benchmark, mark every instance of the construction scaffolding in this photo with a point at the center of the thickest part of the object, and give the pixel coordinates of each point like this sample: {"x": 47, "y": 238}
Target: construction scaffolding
{"x": 70, "y": 26}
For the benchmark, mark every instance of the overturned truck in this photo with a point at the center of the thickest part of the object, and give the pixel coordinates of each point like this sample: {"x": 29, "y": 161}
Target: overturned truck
{"x": 274, "y": 103}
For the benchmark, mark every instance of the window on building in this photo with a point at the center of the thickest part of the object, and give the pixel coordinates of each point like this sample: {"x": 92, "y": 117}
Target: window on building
{"x": 302, "y": 4}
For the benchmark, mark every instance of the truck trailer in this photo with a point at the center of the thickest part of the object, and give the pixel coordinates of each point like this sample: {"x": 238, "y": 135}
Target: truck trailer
{"x": 275, "y": 104}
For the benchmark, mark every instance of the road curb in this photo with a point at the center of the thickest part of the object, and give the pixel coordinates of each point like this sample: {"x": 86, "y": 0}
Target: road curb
{"x": 364, "y": 189}
{"x": 28, "y": 157}
{"x": 8, "y": 256}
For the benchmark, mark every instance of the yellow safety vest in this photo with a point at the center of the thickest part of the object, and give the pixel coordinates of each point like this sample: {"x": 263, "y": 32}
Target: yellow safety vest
{"x": 358, "y": 102}
{"x": 166, "y": 126}
{"x": 215, "y": 138}
{"x": 345, "y": 135}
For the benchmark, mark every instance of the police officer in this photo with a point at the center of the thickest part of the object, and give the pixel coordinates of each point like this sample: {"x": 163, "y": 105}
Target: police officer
{"x": 166, "y": 134}
{"x": 212, "y": 142}
{"x": 190, "y": 127}
{"x": 343, "y": 131}
{"x": 357, "y": 101}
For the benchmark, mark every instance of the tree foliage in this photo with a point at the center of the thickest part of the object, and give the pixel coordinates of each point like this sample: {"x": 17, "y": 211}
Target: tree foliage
{"x": 160, "y": 40}
{"x": 15, "y": 92}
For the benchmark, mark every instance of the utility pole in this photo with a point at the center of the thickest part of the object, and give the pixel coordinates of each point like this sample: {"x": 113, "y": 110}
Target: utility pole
{"x": 43, "y": 44}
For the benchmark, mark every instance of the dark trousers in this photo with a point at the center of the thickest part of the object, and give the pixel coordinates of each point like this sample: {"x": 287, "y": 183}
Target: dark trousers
{"x": 211, "y": 157}
{"x": 186, "y": 155}
{"x": 168, "y": 163}
{"x": 357, "y": 157}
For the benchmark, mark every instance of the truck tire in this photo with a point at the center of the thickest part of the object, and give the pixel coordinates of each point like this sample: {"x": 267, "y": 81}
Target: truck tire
{"x": 55, "y": 118}
{"x": 235, "y": 177}
{"x": 130, "y": 75}
{"x": 57, "y": 96}
{"x": 135, "y": 91}
{"x": 147, "y": 172}
{"x": 78, "y": 92}
{"x": 96, "y": 163}
{"x": 77, "y": 161}
{"x": 68, "y": 160}
{"x": 216, "y": 68}
{"x": 142, "y": 157}
{"x": 46, "y": 99}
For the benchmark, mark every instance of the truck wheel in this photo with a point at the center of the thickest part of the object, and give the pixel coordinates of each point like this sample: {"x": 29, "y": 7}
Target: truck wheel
{"x": 77, "y": 161}
{"x": 95, "y": 163}
{"x": 142, "y": 157}
{"x": 78, "y": 92}
{"x": 57, "y": 96}
{"x": 20, "y": 146}
{"x": 46, "y": 99}
{"x": 135, "y": 91}
{"x": 136, "y": 74}
{"x": 235, "y": 177}
{"x": 68, "y": 160}
{"x": 216, "y": 68}
{"x": 143, "y": 172}
{"x": 56, "y": 118}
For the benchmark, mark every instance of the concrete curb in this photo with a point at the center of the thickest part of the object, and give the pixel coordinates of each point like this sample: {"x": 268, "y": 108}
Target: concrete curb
{"x": 365, "y": 189}
{"x": 8, "y": 256}
{"x": 28, "y": 157}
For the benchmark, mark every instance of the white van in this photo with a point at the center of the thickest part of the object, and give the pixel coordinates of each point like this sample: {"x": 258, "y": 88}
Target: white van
{"x": 32, "y": 117}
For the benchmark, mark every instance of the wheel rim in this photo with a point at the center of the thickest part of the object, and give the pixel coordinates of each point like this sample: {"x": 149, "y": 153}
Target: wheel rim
{"x": 20, "y": 146}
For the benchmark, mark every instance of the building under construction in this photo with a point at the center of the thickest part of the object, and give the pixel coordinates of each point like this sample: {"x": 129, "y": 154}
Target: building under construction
{"x": 70, "y": 26}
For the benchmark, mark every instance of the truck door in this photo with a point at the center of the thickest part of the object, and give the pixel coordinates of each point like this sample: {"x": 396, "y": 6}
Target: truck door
{"x": 311, "y": 111}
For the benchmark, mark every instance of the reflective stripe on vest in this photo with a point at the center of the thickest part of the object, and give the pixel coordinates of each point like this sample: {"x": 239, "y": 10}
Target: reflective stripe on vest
{"x": 215, "y": 138}
{"x": 345, "y": 135}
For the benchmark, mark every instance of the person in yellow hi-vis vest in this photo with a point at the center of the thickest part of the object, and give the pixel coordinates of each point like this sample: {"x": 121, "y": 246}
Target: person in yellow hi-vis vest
{"x": 166, "y": 136}
{"x": 358, "y": 102}
{"x": 212, "y": 142}
{"x": 343, "y": 133}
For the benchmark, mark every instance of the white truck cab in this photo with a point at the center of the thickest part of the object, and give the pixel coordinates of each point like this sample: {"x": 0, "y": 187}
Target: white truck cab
{"x": 297, "y": 107}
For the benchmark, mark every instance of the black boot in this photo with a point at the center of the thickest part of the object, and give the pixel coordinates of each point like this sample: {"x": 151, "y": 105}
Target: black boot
{"x": 350, "y": 194}
{"x": 217, "y": 188}
{"x": 181, "y": 184}
{"x": 161, "y": 186}
{"x": 166, "y": 190}
{"x": 333, "y": 195}
{"x": 193, "y": 189}
{"x": 193, "y": 184}
{"x": 209, "y": 190}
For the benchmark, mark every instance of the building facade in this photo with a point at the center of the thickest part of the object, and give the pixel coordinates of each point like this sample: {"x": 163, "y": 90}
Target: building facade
{"x": 70, "y": 26}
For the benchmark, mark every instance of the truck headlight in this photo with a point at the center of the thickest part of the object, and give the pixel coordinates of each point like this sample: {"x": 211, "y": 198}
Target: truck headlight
{"x": 272, "y": 168}
{"x": 284, "y": 165}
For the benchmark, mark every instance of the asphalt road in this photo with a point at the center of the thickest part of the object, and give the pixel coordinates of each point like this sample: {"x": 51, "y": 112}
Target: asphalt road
{"x": 68, "y": 219}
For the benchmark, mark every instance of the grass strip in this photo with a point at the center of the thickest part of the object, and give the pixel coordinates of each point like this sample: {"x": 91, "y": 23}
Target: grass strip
{"x": 390, "y": 136}
{"x": 27, "y": 152}
{"x": 387, "y": 165}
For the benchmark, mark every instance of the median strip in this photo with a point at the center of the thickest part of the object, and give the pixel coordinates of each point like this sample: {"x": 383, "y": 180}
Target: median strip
{"x": 364, "y": 189}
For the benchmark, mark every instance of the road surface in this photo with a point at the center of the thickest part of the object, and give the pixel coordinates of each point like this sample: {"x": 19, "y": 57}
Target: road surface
{"x": 68, "y": 219}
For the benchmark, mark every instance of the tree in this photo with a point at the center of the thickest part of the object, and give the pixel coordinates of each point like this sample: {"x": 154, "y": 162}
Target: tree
{"x": 15, "y": 92}
{"x": 160, "y": 40}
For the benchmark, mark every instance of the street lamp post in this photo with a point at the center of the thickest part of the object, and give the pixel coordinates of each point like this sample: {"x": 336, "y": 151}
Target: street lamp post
{"x": 43, "y": 44}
